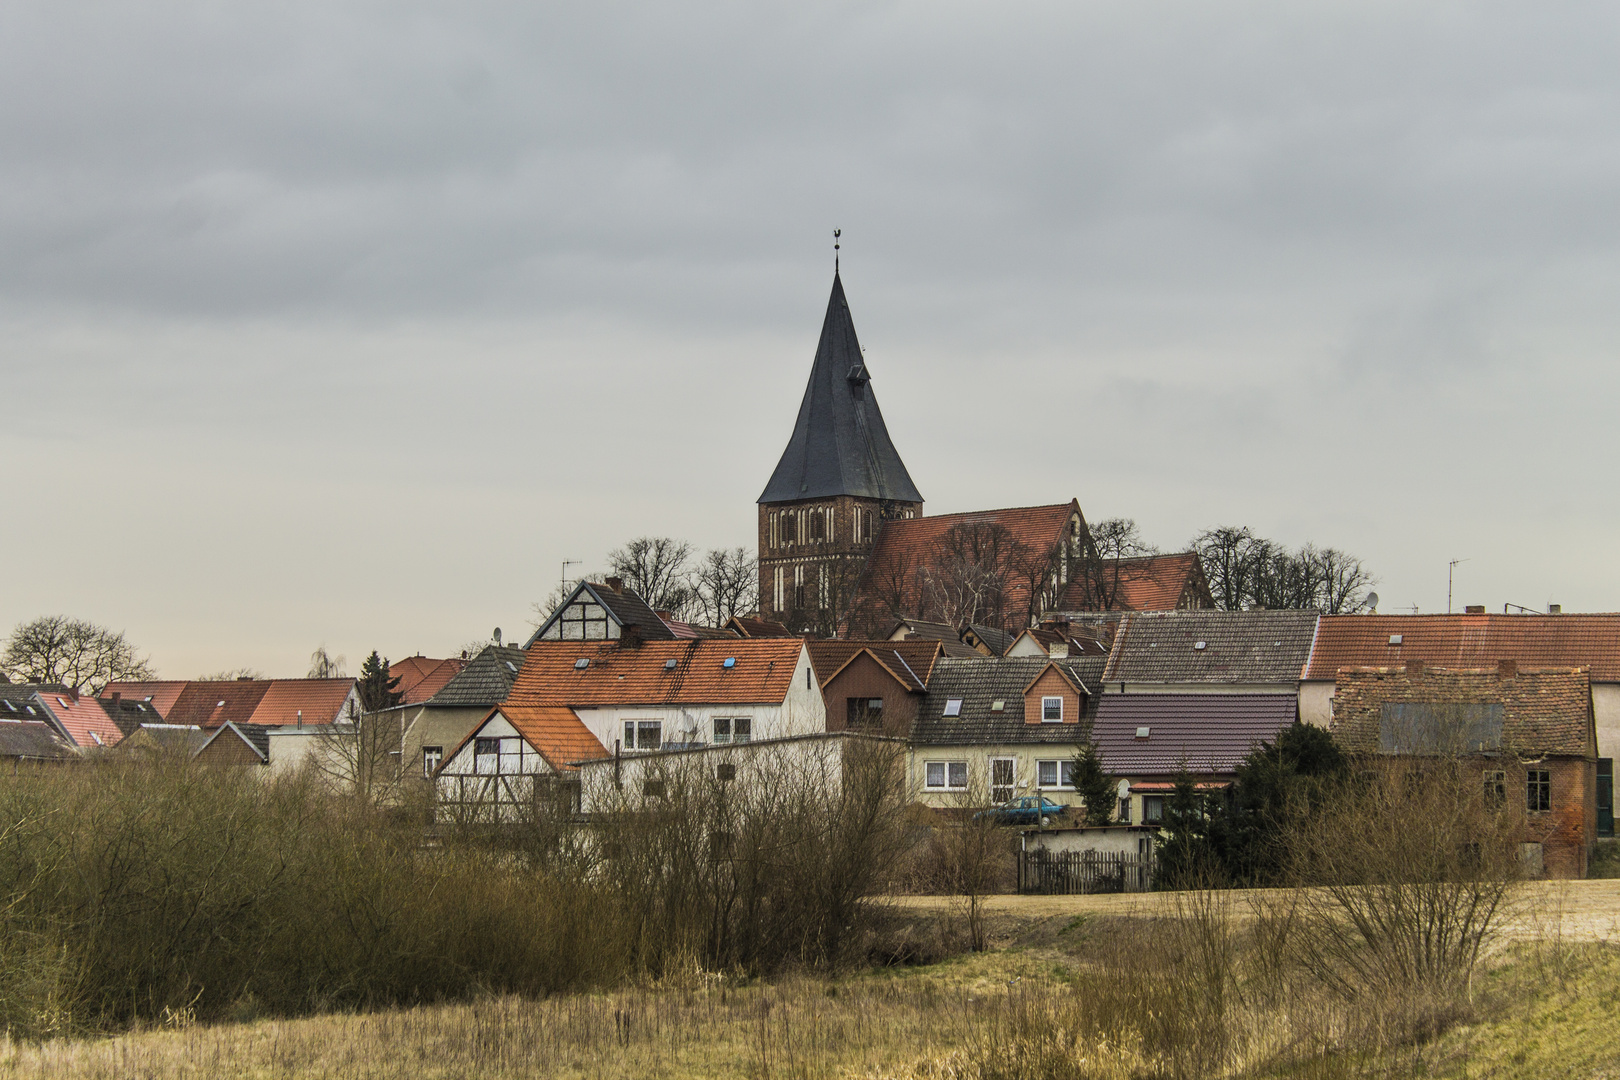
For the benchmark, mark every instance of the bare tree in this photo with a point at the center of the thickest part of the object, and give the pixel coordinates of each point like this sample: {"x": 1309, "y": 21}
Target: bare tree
{"x": 727, "y": 584}
{"x": 72, "y": 652}
{"x": 358, "y": 756}
{"x": 969, "y": 856}
{"x": 659, "y": 569}
{"x": 969, "y": 576}
{"x": 1249, "y": 571}
{"x": 231, "y": 675}
{"x": 323, "y": 665}
{"x": 1106, "y": 559}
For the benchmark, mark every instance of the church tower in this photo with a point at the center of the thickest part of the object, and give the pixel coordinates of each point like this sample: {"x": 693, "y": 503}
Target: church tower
{"x": 839, "y": 479}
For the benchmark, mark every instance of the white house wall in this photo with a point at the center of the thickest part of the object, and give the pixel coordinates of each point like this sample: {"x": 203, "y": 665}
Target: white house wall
{"x": 977, "y": 794}
{"x": 759, "y": 768}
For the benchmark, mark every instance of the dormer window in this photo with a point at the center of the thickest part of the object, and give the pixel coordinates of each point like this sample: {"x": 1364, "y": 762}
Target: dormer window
{"x": 1051, "y": 710}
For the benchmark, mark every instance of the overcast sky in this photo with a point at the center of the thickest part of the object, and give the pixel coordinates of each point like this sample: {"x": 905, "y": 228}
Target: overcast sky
{"x": 348, "y": 323}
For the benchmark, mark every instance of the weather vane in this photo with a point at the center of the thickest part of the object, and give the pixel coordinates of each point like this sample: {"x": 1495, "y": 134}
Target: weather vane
{"x": 836, "y": 234}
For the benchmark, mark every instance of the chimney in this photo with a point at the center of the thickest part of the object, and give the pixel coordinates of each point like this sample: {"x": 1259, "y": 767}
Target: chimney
{"x": 244, "y": 678}
{"x": 1062, "y": 626}
{"x": 1474, "y": 609}
{"x": 1507, "y": 669}
{"x": 616, "y": 584}
{"x": 117, "y": 697}
{"x": 1414, "y": 667}
{"x": 1059, "y": 650}
{"x": 1555, "y": 609}
{"x": 630, "y": 636}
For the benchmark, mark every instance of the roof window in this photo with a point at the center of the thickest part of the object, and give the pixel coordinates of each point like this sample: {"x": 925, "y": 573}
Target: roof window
{"x": 511, "y": 667}
{"x": 670, "y": 664}
{"x": 60, "y": 702}
{"x": 953, "y": 706}
{"x": 1200, "y": 645}
{"x": 998, "y": 704}
{"x": 581, "y": 664}
{"x": 1143, "y": 732}
{"x": 221, "y": 705}
{"x": 10, "y": 706}
{"x": 31, "y": 711}
{"x": 730, "y": 662}
{"x": 1394, "y": 639}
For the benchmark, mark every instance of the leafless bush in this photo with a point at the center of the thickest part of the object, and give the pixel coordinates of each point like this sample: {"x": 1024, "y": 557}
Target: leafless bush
{"x": 968, "y": 856}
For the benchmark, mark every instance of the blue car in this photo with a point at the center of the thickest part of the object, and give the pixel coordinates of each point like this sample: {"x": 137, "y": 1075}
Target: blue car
{"x": 1024, "y": 810}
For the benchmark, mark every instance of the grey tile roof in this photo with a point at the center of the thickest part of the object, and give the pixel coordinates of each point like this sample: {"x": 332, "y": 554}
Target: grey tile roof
{"x": 626, "y": 608}
{"x": 1211, "y": 733}
{"x": 999, "y": 641}
{"x": 17, "y": 701}
{"x": 985, "y": 680}
{"x": 485, "y": 681}
{"x": 1254, "y": 647}
{"x": 839, "y": 444}
{"x": 255, "y": 735}
{"x": 32, "y": 740}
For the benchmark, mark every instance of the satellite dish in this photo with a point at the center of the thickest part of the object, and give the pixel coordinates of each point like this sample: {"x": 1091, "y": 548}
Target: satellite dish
{"x": 1124, "y": 789}
{"x": 1372, "y": 602}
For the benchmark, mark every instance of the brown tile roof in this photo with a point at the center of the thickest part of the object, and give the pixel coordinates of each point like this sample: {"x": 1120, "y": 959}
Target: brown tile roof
{"x": 314, "y": 701}
{"x": 908, "y": 551}
{"x": 1546, "y": 710}
{"x": 1468, "y": 640}
{"x": 1257, "y": 647}
{"x": 753, "y": 626}
{"x": 159, "y": 693}
{"x": 762, "y": 673}
{"x": 1208, "y": 733}
{"x": 559, "y": 735}
{"x": 910, "y": 662}
{"x": 685, "y": 631}
{"x": 1150, "y": 583}
{"x": 420, "y": 677}
{"x": 210, "y": 704}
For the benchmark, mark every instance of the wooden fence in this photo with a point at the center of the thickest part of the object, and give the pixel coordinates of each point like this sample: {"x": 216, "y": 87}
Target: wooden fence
{"x": 1067, "y": 872}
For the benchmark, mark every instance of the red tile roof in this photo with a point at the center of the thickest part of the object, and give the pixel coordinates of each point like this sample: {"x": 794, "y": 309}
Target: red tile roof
{"x": 160, "y": 693}
{"x": 556, "y": 732}
{"x": 910, "y": 662}
{"x": 210, "y": 704}
{"x": 910, "y": 553}
{"x": 762, "y": 674}
{"x": 315, "y": 701}
{"x": 85, "y": 721}
{"x": 420, "y": 677}
{"x": 1467, "y": 640}
{"x": 1545, "y": 710}
{"x": 1151, "y": 583}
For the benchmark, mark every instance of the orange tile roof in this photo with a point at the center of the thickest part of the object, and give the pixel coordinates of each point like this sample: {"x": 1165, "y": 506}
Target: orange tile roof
{"x": 619, "y": 676}
{"x": 210, "y": 704}
{"x": 1150, "y": 583}
{"x": 556, "y": 732}
{"x": 1467, "y": 640}
{"x": 909, "y": 550}
{"x": 160, "y": 693}
{"x": 830, "y": 657}
{"x": 86, "y": 722}
{"x": 319, "y": 701}
{"x": 420, "y": 677}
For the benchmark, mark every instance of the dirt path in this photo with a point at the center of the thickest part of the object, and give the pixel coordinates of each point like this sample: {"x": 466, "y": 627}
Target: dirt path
{"x": 1587, "y": 910}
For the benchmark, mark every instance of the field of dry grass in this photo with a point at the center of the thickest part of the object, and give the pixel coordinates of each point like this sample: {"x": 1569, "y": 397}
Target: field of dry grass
{"x": 1543, "y": 1006}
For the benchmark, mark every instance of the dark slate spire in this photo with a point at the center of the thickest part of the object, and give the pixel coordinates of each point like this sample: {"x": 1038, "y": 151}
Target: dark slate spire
{"x": 839, "y": 444}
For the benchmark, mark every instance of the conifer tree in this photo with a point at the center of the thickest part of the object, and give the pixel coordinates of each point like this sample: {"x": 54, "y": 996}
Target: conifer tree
{"x": 377, "y": 690}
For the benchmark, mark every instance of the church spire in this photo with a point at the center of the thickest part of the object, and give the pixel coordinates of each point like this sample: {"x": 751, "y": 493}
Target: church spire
{"x": 839, "y": 445}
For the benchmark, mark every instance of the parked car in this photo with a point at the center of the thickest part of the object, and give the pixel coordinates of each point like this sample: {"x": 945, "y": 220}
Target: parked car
{"x": 1024, "y": 810}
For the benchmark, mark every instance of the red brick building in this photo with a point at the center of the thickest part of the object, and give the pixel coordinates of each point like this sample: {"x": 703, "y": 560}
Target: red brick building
{"x": 1529, "y": 729}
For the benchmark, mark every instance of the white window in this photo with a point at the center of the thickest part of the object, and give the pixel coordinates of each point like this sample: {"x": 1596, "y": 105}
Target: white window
{"x": 953, "y": 706}
{"x": 1055, "y": 774}
{"x": 947, "y": 775}
{"x": 733, "y": 729}
{"x": 431, "y": 756}
{"x": 643, "y": 734}
{"x": 1051, "y": 710}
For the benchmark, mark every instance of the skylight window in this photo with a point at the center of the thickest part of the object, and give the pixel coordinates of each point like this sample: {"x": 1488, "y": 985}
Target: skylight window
{"x": 730, "y": 662}
{"x": 953, "y": 706}
{"x": 669, "y": 665}
{"x": 1394, "y": 639}
{"x": 1200, "y": 645}
{"x": 581, "y": 664}
{"x": 10, "y": 706}
{"x": 511, "y": 667}
{"x": 221, "y": 705}
{"x": 1143, "y": 732}
{"x": 998, "y": 705}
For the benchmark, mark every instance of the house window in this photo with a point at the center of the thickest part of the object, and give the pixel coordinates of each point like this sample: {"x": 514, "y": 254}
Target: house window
{"x": 1051, "y": 710}
{"x": 643, "y": 734}
{"x": 947, "y": 775}
{"x": 1002, "y": 777}
{"x": 1152, "y": 809}
{"x": 953, "y": 706}
{"x": 1054, "y": 774}
{"x": 1538, "y": 790}
{"x": 1495, "y": 787}
{"x": 431, "y": 756}
{"x": 1125, "y": 811}
{"x": 864, "y": 712}
{"x": 733, "y": 729}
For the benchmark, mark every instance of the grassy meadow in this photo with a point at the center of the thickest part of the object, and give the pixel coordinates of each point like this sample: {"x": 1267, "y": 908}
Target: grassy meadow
{"x": 1082, "y": 987}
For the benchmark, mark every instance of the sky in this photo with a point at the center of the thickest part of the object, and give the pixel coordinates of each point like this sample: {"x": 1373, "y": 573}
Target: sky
{"x": 348, "y": 323}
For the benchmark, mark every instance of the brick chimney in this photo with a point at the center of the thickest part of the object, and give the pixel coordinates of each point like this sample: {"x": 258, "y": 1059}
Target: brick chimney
{"x": 1474, "y": 609}
{"x": 1414, "y": 667}
{"x": 615, "y": 583}
{"x": 1507, "y": 669}
{"x": 629, "y": 636}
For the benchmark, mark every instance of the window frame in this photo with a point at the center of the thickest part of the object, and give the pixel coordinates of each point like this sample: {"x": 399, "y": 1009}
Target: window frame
{"x": 634, "y": 730}
{"x": 1538, "y": 791}
{"x": 1047, "y": 699}
{"x": 436, "y": 755}
{"x": 947, "y": 769}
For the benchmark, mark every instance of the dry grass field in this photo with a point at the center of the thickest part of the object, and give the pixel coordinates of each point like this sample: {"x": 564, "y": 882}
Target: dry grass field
{"x": 1545, "y": 1004}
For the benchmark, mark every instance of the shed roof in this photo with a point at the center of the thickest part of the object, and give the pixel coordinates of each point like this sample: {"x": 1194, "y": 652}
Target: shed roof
{"x": 1208, "y": 733}
{"x": 1253, "y": 647}
{"x": 555, "y": 733}
{"x": 486, "y": 680}
{"x": 1468, "y": 640}
{"x": 981, "y": 682}
{"x": 645, "y": 675}
{"x": 754, "y": 626}
{"x": 256, "y": 736}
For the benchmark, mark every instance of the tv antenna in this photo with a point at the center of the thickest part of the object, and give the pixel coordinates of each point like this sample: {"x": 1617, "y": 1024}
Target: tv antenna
{"x": 1451, "y": 569}
{"x": 566, "y": 564}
